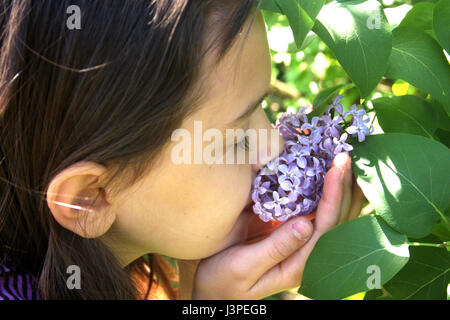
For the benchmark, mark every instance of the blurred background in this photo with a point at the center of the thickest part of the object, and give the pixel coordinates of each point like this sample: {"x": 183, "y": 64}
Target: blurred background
{"x": 298, "y": 76}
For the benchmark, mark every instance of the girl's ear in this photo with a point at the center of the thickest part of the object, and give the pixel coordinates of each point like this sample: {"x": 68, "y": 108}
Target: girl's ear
{"x": 78, "y": 201}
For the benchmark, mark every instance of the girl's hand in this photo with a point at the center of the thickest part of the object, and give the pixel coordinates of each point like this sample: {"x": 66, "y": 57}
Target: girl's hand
{"x": 276, "y": 263}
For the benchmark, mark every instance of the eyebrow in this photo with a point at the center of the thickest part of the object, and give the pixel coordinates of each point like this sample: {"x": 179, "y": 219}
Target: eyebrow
{"x": 250, "y": 109}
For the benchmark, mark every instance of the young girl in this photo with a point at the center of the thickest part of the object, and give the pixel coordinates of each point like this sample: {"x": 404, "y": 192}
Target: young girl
{"x": 89, "y": 102}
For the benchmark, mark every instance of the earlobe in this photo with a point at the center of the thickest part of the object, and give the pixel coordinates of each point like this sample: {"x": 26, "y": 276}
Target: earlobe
{"x": 78, "y": 202}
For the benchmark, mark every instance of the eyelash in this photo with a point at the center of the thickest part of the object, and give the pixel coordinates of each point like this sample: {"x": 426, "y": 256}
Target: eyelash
{"x": 244, "y": 143}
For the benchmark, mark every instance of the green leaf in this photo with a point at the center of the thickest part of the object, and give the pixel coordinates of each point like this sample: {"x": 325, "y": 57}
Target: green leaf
{"x": 406, "y": 179}
{"x": 323, "y": 99}
{"x": 338, "y": 265}
{"x": 268, "y": 5}
{"x": 424, "y": 277}
{"x": 442, "y": 231}
{"x": 443, "y": 119}
{"x": 441, "y": 14}
{"x": 420, "y": 17}
{"x": 443, "y": 136}
{"x": 301, "y": 15}
{"x": 359, "y": 35}
{"x": 417, "y": 1}
{"x": 407, "y": 114}
{"x": 419, "y": 60}
{"x": 310, "y": 37}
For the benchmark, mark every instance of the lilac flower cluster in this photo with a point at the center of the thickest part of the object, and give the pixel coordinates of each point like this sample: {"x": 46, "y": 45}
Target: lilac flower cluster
{"x": 292, "y": 184}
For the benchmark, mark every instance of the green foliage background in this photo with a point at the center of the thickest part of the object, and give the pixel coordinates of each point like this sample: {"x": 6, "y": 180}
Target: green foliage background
{"x": 389, "y": 58}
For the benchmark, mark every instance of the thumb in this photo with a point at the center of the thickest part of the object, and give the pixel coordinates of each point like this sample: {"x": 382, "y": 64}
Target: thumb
{"x": 284, "y": 241}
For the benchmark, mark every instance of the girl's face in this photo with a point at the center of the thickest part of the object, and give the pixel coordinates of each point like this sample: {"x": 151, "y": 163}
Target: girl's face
{"x": 191, "y": 211}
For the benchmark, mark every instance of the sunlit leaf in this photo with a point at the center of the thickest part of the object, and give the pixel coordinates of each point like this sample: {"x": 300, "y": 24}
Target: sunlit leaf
{"x": 406, "y": 179}
{"x": 301, "y": 15}
{"x": 359, "y": 35}
{"x": 441, "y": 25}
{"x": 420, "y": 17}
{"x": 268, "y": 5}
{"x": 424, "y": 277}
{"x": 419, "y": 60}
{"x": 339, "y": 263}
{"x": 407, "y": 114}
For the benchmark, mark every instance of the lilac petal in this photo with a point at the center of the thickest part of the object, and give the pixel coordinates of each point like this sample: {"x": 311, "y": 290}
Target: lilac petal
{"x": 293, "y": 196}
{"x": 352, "y": 130}
{"x": 337, "y": 98}
{"x": 303, "y": 140}
{"x": 301, "y": 162}
{"x": 316, "y": 138}
{"x": 286, "y": 185}
{"x": 269, "y": 205}
{"x": 275, "y": 196}
{"x": 306, "y": 126}
{"x": 265, "y": 216}
{"x": 283, "y": 168}
{"x": 296, "y": 180}
{"x": 347, "y": 147}
{"x": 278, "y": 210}
{"x": 338, "y": 107}
{"x": 282, "y": 178}
{"x": 333, "y": 132}
{"x": 255, "y": 195}
{"x": 291, "y": 157}
{"x": 257, "y": 208}
{"x": 361, "y": 136}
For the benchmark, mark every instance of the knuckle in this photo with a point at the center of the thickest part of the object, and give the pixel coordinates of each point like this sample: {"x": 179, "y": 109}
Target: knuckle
{"x": 279, "y": 250}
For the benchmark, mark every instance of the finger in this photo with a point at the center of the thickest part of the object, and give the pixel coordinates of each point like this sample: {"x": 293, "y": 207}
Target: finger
{"x": 358, "y": 200}
{"x": 288, "y": 273}
{"x": 259, "y": 230}
{"x": 285, "y": 275}
{"x": 255, "y": 259}
{"x": 347, "y": 198}
{"x": 330, "y": 204}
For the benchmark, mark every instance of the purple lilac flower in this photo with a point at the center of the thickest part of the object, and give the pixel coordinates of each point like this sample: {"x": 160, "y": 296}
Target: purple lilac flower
{"x": 336, "y": 105}
{"x": 332, "y": 126}
{"x": 358, "y": 129}
{"x": 341, "y": 145}
{"x": 359, "y": 123}
{"x": 292, "y": 184}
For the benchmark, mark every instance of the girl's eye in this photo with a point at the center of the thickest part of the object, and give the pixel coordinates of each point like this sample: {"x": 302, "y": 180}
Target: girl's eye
{"x": 244, "y": 143}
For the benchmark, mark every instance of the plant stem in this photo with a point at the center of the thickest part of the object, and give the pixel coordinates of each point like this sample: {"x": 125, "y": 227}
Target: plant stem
{"x": 373, "y": 120}
{"x": 421, "y": 244}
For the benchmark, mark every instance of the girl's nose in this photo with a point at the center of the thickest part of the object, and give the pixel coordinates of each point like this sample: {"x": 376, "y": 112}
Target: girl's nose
{"x": 269, "y": 147}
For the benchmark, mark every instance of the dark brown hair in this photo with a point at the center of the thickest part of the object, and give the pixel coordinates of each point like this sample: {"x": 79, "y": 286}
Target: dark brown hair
{"x": 111, "y": 92}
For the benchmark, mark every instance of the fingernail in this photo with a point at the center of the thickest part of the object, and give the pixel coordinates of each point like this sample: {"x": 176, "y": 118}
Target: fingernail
{"x": 340, "y": 160}
{"x": 300, "y": 230}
